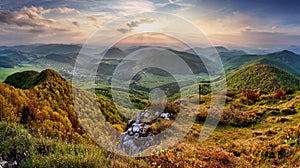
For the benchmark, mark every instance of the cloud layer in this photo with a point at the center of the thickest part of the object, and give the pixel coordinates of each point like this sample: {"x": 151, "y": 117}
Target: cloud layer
{"x": 264, "y": 23}
{"x": 133, "y": 24}
{"x": 32, "y": 19}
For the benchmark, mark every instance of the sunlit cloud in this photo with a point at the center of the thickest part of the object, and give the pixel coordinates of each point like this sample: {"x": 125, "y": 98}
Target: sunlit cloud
{"x": 32, "y": 18}
{"x": 96, "y": 21}
{"x": 125, "y": 7}
{"x": 223, "y": 22}
{"x": 30, "y": 24}
{"x": 133, "y": 24}
{"x": 232, "y": 23}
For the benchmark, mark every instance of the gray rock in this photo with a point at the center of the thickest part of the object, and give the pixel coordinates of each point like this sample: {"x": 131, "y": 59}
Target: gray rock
{"x": 3, "y": 163}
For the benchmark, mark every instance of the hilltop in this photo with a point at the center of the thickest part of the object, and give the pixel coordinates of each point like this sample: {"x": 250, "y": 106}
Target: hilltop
{"x": 44, "y": 103}
{"x": 264, "y": 77}
{"x": 286, "y": 60}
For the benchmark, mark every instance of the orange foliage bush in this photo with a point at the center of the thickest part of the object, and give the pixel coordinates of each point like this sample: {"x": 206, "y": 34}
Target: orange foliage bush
{"x": 280, "y": 94}
{"x": 251, "y": 94}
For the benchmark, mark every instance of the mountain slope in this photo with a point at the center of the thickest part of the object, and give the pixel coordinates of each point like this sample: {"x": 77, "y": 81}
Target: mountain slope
{"x": 285, "y": 57}
{"x": 263, "y": 77}
{"x": 114, "y": 53}
{"x": 47, "y": 105}
{"x": 10, "y": 58}
{"x": 277, "y": 64}
{"x": 53, "y": 48}
{"x": 223, "y": 52}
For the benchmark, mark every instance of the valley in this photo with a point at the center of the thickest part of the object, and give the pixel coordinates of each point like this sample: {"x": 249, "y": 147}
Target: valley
{"x": 259, "y": 125}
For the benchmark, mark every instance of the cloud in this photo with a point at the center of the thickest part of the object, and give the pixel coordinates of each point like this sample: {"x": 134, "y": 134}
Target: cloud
{"x": 176, "y": 6}
{"x": 125, "y": 7}
{"x": 274, "y": 27}
{"x": 123, "y": 30}
{"x": 95, "y": 20}
{"x": 33, "y": 20}
{"x": 230, "y": 23}
{"x": 75, "y": 23}
{"x": 25, "y": 17}
{"x": 133, "y": 24}
{"x": 62, "y": 10}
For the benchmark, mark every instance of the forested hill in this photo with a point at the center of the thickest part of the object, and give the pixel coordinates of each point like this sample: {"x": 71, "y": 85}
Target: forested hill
{"x": 264, "y": 77}
{"x": 43, "y": 102}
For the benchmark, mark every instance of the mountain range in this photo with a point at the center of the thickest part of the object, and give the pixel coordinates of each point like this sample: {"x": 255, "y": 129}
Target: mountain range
{"x": 67, "y": 54}
{"x": 63, "y": 57}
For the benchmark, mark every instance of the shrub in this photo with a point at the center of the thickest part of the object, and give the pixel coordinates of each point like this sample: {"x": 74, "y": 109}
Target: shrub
{"x": 251, "y": 94}
{"x": 280, "y": 94}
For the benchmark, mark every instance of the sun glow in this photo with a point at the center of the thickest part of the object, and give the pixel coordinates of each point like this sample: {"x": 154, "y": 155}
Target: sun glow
{"x": 149, "y": 27}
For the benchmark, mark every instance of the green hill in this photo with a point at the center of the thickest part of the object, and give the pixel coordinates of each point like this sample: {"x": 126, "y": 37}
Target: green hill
{"x": 10, "y": 58}
{"x": 6, "y": 62}
{"x": 264, "y": 77}
{"x": 278, "y": 64}
{"x": 22, "y": 80}
{"x": 286, "y": 60}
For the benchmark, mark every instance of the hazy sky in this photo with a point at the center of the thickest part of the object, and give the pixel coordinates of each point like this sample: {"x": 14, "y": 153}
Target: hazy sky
{"x": 234, "y": 23}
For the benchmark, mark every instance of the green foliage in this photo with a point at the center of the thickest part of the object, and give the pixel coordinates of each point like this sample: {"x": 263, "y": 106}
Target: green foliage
{"x": 264, "y": 77}
{"x": 284, "y": 60}
{"x": 22, "y": 80}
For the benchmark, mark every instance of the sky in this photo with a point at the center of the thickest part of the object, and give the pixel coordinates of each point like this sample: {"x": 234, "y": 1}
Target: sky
{"x": 233, "y": 23}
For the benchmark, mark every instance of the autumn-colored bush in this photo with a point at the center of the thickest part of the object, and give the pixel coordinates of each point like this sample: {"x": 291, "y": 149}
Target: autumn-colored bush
{"x": 235, "y": 117}
{"x": 280, "y": 94}
{"x": 251, "y": 94}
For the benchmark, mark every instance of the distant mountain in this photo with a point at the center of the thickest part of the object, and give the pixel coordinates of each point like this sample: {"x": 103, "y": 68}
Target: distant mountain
{"x": 288, "y": 58}
{"x": 264, "y": 77}
{"x": 193, "y": 61}
{"x": 223, "y": 52}
{"x": 285, "y": 56}
{"x": 10, "y": 58}
{"x": 211, "y": 50}
{"x": 69, "y": 58}
{"x": 47, "y": 48}
{"x": 134, "y": 48}
{"x": 6, "y": 62}
{"x": 114, "y": 53}
{"x": 294, "y": 48}
{"x": 56, "y": 49}
{"x": 107, "y": 66}
{"x": 277, "y": 64}
{"x": 18, "y": 56}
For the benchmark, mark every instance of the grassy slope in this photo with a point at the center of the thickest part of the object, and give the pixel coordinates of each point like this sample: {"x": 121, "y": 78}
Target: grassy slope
{"x": 285, "y": 60}
{"x": 17, "y": 144}
{"x": 264, "y": 77}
